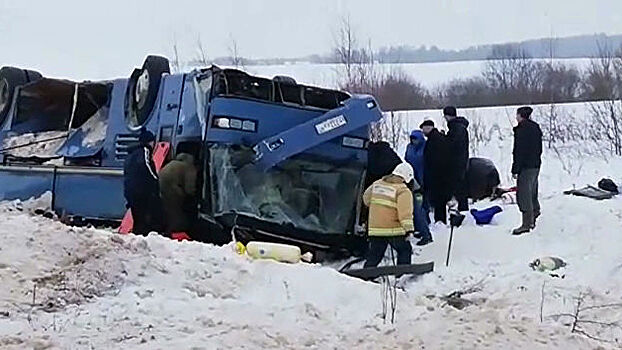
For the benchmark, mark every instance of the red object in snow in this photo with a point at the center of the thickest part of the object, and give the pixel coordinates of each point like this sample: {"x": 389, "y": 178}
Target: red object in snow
{"x": 159, "y": 155}
{"x": 180, "y": 236}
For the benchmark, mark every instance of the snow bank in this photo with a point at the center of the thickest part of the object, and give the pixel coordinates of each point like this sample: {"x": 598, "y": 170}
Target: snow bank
{"x": 99, "y": 289}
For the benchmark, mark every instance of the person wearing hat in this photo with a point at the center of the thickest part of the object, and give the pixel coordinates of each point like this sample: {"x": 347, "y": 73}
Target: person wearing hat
{"x": 140, "y": 186}
{"x": 458, "y": 138}
{"x": 436, "y": 170}
{"x": 526, "y": 168}
{"x": 390, "y": 220}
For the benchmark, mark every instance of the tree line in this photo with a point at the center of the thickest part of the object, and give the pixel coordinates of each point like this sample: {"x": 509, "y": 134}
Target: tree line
{"x": 510, "y": 77}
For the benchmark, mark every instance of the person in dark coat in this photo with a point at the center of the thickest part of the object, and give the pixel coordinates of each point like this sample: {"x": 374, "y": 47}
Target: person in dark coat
{"x": 436, "y": 170}
{"x": 141, "y": 188}
{"x": 526, "y": 168}
{"x": 381, "y": 160}
{"x": 178, "y": 190}
{"x": 458, "y": 138}
{"x": 483, "y": 178}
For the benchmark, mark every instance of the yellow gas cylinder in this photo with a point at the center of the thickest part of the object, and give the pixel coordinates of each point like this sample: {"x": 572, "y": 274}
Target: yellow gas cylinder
{"x": 275, "y": 251}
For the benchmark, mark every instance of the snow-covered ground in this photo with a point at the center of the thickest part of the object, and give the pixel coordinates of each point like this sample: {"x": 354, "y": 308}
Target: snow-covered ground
{"x": 97, "y": 289}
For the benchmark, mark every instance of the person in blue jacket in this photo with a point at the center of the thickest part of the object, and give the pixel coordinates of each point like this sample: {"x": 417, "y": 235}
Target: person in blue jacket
{"x": 414, "y": 157}
{"x": 414, "y": 154}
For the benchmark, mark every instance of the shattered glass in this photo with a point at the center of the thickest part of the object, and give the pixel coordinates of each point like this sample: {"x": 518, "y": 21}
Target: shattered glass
{"x": 309, "y": 194}
{"x": 202, "y": 87}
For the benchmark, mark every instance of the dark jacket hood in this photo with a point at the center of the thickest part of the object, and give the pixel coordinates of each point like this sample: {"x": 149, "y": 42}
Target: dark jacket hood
{"x": 459, "y": 120}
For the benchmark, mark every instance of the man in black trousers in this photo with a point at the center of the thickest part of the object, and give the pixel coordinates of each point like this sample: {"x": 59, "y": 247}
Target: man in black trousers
{"x": 526, "y": 168}
{"x": 436, "y": 173}
{"x": 458, "y": 138}
{"x": 141, "y": 188}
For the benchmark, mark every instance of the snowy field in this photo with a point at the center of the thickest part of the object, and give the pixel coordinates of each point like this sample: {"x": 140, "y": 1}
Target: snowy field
{"x": 96, "y": 289}
{"x": 430, "y": 75}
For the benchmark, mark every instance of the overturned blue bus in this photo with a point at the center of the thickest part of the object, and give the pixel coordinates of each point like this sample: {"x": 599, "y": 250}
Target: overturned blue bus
{"x": 279, "y": 161}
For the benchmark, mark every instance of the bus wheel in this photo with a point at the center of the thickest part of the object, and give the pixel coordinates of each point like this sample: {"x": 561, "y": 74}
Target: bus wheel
{"x": 142, "y": 89}
{"x": 10, "y": 78}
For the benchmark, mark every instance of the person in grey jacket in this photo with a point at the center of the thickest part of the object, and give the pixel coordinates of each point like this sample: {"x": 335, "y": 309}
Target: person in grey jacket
{"x": 526, "y": 168}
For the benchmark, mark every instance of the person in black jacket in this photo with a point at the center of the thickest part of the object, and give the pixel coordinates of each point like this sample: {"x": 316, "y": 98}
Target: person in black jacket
{"x": 458, "y": 138}
{"x": 526, "y": 167}
{"x": 381, "y": 160}
{"x": 141, "y": 188}
{"x": 436, "y": 170}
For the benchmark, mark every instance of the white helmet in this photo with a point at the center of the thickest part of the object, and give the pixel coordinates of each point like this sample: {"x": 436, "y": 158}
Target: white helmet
{"x": 405, "y": 171}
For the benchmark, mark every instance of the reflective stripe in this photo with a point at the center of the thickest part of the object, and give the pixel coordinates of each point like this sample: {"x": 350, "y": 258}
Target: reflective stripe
{"x": 408, "y": 224}
{"x": 384, "y": 190}
{"x": 385, "y": 202}
{"x": 148, "y": 163}
{"x": 378, "y": 231}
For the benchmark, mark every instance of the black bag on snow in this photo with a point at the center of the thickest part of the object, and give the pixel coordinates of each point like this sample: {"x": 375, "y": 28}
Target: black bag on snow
{"x": 608, "y": 185}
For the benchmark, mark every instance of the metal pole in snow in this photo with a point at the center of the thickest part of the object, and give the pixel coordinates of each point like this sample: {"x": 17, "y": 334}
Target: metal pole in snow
{"x": 451, "y": 236}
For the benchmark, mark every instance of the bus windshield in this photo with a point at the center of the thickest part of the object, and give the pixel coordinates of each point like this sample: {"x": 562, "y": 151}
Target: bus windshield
{"x": 314, "y": 195}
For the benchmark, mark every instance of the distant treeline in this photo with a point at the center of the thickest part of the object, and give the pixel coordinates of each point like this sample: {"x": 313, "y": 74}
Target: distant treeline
{"x": 510, "y": 76}
{"x": 583, "y": 46}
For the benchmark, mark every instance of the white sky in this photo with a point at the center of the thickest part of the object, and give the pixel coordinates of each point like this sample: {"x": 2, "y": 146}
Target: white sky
{"x": 100, "y": 38}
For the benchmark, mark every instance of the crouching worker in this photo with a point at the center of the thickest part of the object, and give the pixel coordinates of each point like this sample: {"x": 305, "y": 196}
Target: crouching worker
{"x": 140, "y": 186}
{"x": 390, "y": 221}
{"x": 178, "y": 189}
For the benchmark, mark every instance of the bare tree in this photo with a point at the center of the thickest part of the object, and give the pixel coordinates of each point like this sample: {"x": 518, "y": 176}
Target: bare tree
{"x": 397, "y": 91}
{"x": 607, "y": 124}
{"x": 603, "y": 83}
{"x": 396, "y": 131}
{"x": 513, "y": 75}
{"x": 358, "y": 73}
{"x": 587, "y": 320}
{"x": 234, "y": 53}
{"x": 481, "y": 132}
{"x": 345, "y": 44}
{"x": 201, "y": 53}
{"x": 175, "y": 63}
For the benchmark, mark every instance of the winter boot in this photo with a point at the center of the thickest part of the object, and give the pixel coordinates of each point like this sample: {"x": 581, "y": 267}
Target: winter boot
{"x": 526, "y": 226}
{"x": 424, "y": 241}
{"x": 536, "y": 214}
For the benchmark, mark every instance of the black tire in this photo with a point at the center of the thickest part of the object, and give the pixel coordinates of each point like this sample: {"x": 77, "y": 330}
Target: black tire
{"x": 142, "y": 89}
{"x": 10, "y": 78}
{"x": 32, "y": 75}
